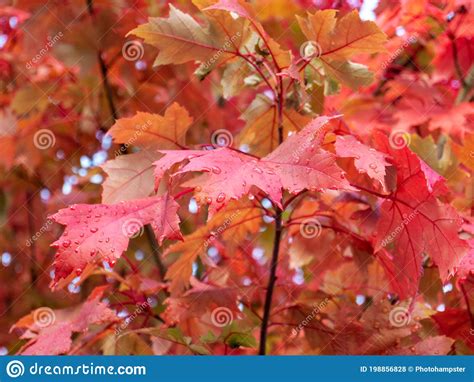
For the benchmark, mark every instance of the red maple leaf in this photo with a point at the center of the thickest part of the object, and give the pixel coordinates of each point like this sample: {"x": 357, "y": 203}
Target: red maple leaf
{"x": 366, "y": 159}
{"x": 101, "y": 232}
{"x": 414, "y": 222}
{"x": 298, "y": 164}
{"x": 52, "y": 335}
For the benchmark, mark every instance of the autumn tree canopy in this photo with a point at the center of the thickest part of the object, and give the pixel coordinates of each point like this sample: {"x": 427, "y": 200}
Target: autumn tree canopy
{"x": 231, "y": 177}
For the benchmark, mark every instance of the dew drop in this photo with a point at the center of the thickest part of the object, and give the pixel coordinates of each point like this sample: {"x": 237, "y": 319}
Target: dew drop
{"x": 94, "y": 230}
{"x": 66, "y": 243}
{"x": 220, "y": 197}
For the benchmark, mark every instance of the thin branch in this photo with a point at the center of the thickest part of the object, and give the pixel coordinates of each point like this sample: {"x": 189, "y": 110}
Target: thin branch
{"x": 276, "y": 242}
{"x": 104, "y": 70}
{"x": 31, "y": 229}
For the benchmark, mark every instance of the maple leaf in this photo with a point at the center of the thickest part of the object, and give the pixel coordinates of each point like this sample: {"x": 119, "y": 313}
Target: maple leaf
{"x": 298, "y": 164}
{"x": 281, "y": 58}
{"x": 128, "y": 177}
{"x": 180, "y": 38}
{"x": 200, "y": 300}
{"x": 261, "y": 130}
{"x": 340, "y": 39}
{"x": 438, "y": 345}
{"x": 466, "y": 265}
{"x": 366, "y": 159}
{"x": 350, "y": 73}
{"x": 153, "y": 131}
{"x": 49, "y": 332}
{"x": 101, "y": 232}
{"x": 414, "y": 222}
{"x": 466, "y": 151}
{"x": 336, "y": 40}
{"x": 455, "y": 323}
